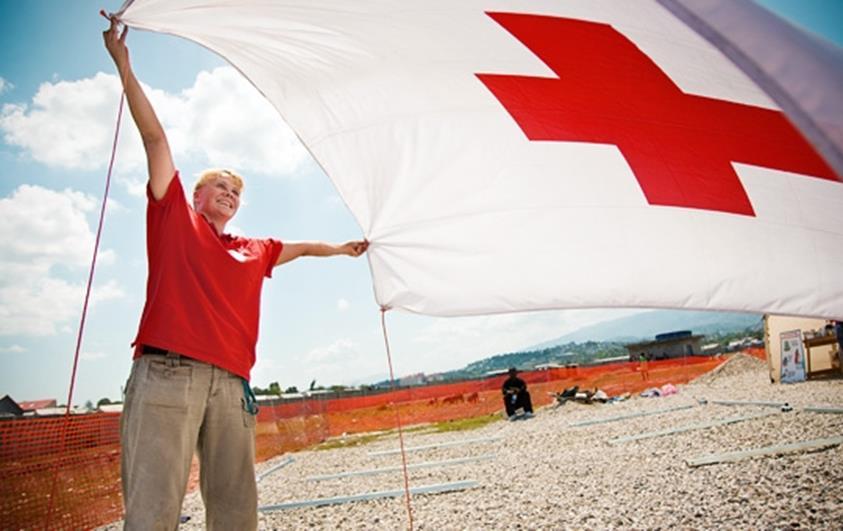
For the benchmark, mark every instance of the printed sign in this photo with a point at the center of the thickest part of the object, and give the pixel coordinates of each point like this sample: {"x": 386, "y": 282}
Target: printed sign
{"x": 793, "y": 357}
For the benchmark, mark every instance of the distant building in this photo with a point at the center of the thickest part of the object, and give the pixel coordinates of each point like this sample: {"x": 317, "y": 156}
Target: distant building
{"x": 711, "y": 349}
{"x": 496, "y": 372}
{"x": 744, "y": 342}
{"x": 59, "y": 411}
{"x": 548, "y": 366}
{"x": 737, "y": 344}
{"x": 412, "y": 379}
{"x": 607, "y": 361}
{"x": 290, "y": 396}
{"x": 668, "y": 345}
{"x": 266, "y": 398}
{"x": 34, "y": 405}
{"x": 319, "y": 392}
{"x": 10, "y": 408}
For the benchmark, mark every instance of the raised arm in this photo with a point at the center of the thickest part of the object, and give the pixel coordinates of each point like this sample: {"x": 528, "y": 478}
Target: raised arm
{"x": 293, "y": 250}
{"x": 158, "y": 158}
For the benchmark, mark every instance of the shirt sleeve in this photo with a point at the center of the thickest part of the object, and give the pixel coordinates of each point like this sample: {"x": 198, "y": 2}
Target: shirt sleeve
{"x": 162, "y": 213}
{"x": 173, "y": 193}
{"x": 273, "y": 249}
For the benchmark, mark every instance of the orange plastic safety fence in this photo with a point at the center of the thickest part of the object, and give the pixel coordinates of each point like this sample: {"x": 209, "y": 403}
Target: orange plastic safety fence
{"x": 87, "y": 471}
{"x": 757, "y": 352}
{"x": 287, "y": 426}
{"x": 88, "y": 468}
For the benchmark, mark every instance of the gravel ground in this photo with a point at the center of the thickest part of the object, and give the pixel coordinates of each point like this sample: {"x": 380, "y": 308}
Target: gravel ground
{"x": 548, "y": 474}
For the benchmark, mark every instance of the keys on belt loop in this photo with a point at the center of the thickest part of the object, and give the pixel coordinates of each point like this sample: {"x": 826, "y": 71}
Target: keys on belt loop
{"x": 250, "y": 402}
{"x": 173, "y": 359}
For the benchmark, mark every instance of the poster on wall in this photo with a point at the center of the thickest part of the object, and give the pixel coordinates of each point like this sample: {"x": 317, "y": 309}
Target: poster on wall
{"x": 793, "y": 356}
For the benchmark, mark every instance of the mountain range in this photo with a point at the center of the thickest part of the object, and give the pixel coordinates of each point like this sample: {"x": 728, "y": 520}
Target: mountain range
{"x": 607, "y": 339}
{"x": 646, "y": 325}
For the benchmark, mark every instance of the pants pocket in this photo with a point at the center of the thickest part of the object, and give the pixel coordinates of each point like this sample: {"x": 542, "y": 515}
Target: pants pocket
{"x": 249, "y": 419}
{"x": 165, "y": 385}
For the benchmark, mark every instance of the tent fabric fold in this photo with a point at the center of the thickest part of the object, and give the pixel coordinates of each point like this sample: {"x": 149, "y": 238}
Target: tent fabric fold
{"x": 509, "y": 156}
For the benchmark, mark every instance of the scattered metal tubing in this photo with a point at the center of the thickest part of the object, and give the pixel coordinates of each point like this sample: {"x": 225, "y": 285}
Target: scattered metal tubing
{"x": 630, "y": 416}
{"x": 730, "y": 457}
{"x": 321, "y": 502}
{"x": 279, "y": 466}
{"x": 781, "y": 405}
{"x": 438, "y": 445}
{"x": 688, "y": 427}
{"x": 428, "y": 464}
{"x": 824, "y": 409}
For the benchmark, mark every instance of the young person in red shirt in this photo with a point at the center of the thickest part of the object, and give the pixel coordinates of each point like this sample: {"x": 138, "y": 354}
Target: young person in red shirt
{"x": 188, "y": 389}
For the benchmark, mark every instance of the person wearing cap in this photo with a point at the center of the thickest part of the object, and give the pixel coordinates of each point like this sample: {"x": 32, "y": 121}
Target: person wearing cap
{"x": 188, "y": 390}
{"x": 515, "y": 395}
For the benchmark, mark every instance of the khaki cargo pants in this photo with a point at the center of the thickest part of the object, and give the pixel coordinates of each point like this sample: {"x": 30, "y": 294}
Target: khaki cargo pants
{"x": 175, "y": 405}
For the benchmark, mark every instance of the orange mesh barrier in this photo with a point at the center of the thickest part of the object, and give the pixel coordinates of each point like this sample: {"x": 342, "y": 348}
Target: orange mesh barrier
{"x": 286, "y": 427}
{"x": 88, "y": 469}
{"x": 757, "y": 352}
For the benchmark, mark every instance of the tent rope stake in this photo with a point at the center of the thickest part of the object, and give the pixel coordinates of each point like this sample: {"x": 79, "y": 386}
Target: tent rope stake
{"x": 398, "y": 422}
{"x": 49, "y": 513}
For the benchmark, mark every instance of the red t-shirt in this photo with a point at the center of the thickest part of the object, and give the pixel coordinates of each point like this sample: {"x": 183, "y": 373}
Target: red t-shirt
{"x": 203, "y": 290}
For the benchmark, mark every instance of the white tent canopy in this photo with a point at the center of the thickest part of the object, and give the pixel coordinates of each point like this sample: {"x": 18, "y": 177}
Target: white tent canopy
{"x": 508, "y": 155}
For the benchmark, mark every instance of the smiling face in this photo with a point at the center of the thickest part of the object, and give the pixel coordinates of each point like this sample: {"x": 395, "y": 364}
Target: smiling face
{"x": 217, "y": 196}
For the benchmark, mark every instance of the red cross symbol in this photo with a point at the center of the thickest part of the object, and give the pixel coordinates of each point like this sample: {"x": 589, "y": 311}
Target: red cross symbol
{"x": 679, "y": 146}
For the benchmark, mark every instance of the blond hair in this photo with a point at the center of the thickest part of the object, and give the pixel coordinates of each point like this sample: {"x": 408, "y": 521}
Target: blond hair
{"x": 213, "y": 173}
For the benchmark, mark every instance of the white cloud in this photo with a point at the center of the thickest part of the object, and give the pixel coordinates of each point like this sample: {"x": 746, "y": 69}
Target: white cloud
{"x": 69, "y": 124}
{"x": 337, "y": 351}
{"x": 116, "y": 207}
{"x": 135, "y": 185}
{"x": 231, "y": 124}
{"x": 343, "y": 305}
{"x": 16, "y": 349}
{"x": 5, "y": 86}
{"x": 221, "y": 120}
{"x": 341, "y": 362}
{"x": 41, "y": 229}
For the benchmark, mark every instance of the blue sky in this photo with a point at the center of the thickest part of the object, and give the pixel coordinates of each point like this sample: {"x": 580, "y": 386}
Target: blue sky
{"x": 59, "y": 96}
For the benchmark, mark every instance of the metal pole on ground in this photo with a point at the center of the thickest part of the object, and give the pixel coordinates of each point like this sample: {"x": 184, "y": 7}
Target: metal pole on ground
{"x": 273, "y": 469}
{"x": 374, "y": 471}
{"x": 688, "y": 427}
{"x": 438, "y": 445}
{"x": 630, "y": 416}
{"x": 731, "y": 457}
{"x": 321, "y": 502}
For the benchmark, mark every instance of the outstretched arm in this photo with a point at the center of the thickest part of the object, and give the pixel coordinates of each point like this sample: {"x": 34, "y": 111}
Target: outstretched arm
{"x": 293, "y": 250}
{"x": 158, "y": 157}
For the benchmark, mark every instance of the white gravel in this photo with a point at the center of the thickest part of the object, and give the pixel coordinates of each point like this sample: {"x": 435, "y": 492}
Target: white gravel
{"x": 549, "y": 475}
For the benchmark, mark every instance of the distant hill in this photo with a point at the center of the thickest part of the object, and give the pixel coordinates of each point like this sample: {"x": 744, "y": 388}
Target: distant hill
{"x": 607, "y": 339}
{"x": 529, "y": 358}
{"x": 646, "y": 325}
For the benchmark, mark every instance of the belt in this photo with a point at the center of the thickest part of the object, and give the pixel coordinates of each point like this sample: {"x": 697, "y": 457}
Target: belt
{"x": 249, "y": 402}
{"x": 173, "y": 358}
{"x": 149, "y": 349}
